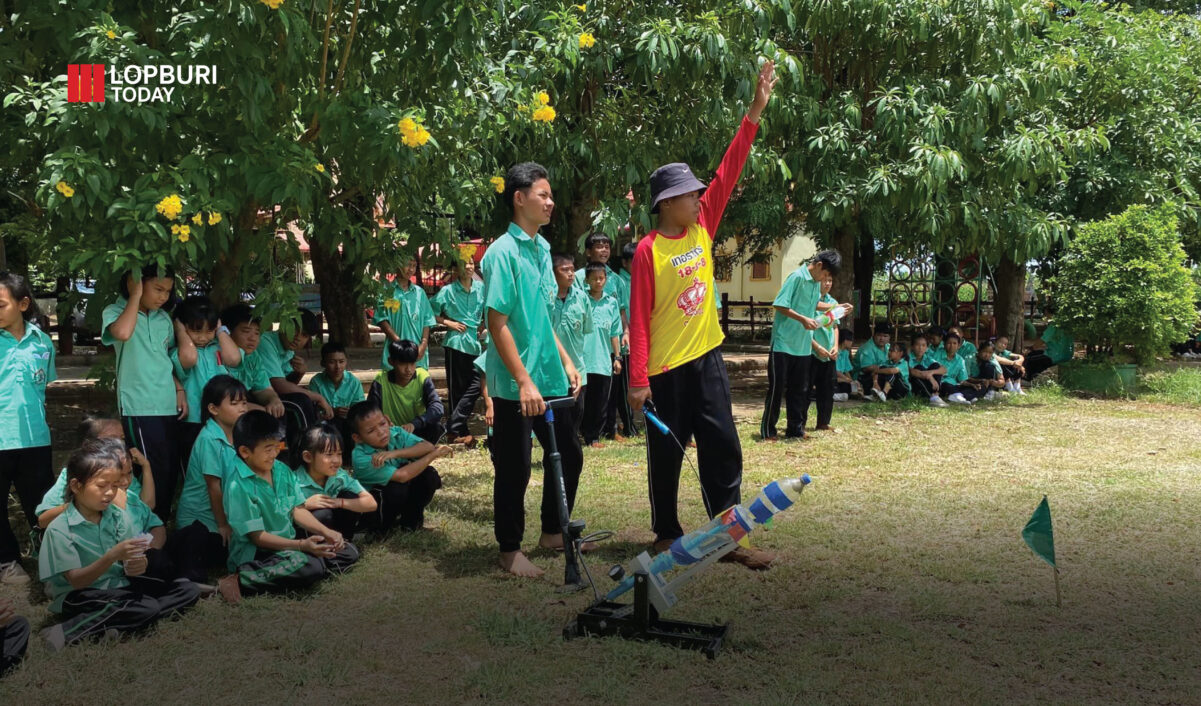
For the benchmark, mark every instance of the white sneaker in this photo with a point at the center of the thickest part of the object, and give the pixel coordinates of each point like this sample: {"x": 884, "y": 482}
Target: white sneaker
{"x": 990, "y": 395}
{"x": 936, "y": 401}
{"x": 880, "y": 395}
{"x": 1018, "y": 389}
{"x": 1009, "y": 386}
{"x": 840, "y": 397}
{"x": 11, "y": 574}
{"x": 958, "y": 398}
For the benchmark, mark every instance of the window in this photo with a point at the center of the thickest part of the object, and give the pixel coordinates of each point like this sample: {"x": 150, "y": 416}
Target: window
{"x": 760, "y": 271}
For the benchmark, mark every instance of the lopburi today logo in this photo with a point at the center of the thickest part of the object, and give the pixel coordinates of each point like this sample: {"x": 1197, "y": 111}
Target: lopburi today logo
{"x": 136, "y": 83}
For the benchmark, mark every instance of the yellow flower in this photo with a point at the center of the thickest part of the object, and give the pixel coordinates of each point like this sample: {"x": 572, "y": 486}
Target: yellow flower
{"x": 111, "y": 34}
{"x": 542, "y": 98}
{"x": 545, "y": 114}
{"x": 175, "y": 229}
{"x": 65, "y": 189}
{"x": 273, "y": 4}
{"x": 587, "y": 40}
{"x": 407, "y": 126}
{"x": 423, "y": 136}
{"x": 197, "y": 219}
{"x": 498, "y": 183}
{"x": 582, "y": 8}
{"x": 392, "y": 305}
{"x": 319, "y": 167}
{"x": 185, "y": 234}
{"x": 214, "y": 219}
{"x": 417, "y": 138}
{"x": 170, "y": 207}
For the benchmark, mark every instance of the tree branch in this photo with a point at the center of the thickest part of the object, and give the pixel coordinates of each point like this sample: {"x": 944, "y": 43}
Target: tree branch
{"x": 354, "y": 23}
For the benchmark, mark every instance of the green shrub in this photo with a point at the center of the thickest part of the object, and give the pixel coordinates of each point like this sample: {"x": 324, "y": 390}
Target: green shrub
{"x": 1122, "y": 282}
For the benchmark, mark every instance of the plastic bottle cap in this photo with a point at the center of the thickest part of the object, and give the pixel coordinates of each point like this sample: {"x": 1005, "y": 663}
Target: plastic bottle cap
{"x": 805, "y": 479}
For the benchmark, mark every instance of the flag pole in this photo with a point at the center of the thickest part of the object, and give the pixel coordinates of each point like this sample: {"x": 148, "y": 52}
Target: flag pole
{"x": 1058, "y": 595}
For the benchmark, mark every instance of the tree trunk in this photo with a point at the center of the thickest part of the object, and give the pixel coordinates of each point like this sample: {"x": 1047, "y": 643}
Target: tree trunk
{"x": 843, "y": 241}
{"x": 227, "y": 274}
{"x": 579, "y": 220}
{"x": 341, "y": 289}
{"x": 865, "y": 272}
{"x": 1011, "y": 294}
{"x": 64, "y": 311}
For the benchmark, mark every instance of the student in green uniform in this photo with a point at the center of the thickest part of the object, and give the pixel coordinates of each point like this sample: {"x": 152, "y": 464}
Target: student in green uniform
{"x": 953, "y": 387}
{"x": 925, "y": 371}
{"x": 245, "y": 329}
{"x": 334, "y": 496}
{"x": 985, "y": 374}
{"x": 141, "y": 520}
{"x": 934, "y": 338}
{"x": 205, "y": 350}
{"x": 788, "y": 367}
{"x": 14, "y": 636}
{"x": 90, "y": 551}
{"x": 202, "y": 531}
{"x": 460, "y": 307}
{"x": 394, "y": 466}
{"x": 1012, "y": 364}
{"x": 602, "y": 353}
{"x": 892, "y": 378}
{"x": 871, "y": 355}
{"x": 845, "y": 383}
{"x": 527, "y": 365}
{"x": 619, "y": 406}
{"x": 338, "y": 388}
{"x": 26, "y": 367}
{"x": 276, "y": 355}
{"x": 264, "y": 505}
{"x": 1056, "y": 346}
{"x": 825, "y": 353}
{"x": 967, "y": 349}
{"x": 405, "y": 313}
{"x": 150, "y": 399}
{"x": 571, "y": 319}
{"x": 407, "y": 394}
{"x": 54, "y": 502}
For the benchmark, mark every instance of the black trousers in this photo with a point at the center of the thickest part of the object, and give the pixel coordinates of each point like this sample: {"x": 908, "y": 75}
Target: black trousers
{"x": 577, "y": 412}
{"x": 922, "y": 386}
{"x": 969, "y": 393}
{"x": 345, "y": 522}
{"x": 788, "y": 379}
{"x": 511, "y": 450}
{"x": 196, "y": 551}
{"x": 347, "y": 442}
{"x": 158, "y": 440}
{"x": 463, "y": 389}
{"x": 619, "y": 404}
{"x": 403, "y": 504}
{"x": 693, "y": 400}
{"x": 299, "y": 414}
{"x": 1010, "y": 372}
{"x": 14, "y": 638}
{"x": 90, "y": 612}
{"x": 821, "y": 376}
{"x": 1036, "y": 363}
{"x": 187, "y": 433}
{"x": 842, "y": 388}
{"x": 595, "y": 405}
{"x": 280, "y": 572}
{"x": 30, "y": 472}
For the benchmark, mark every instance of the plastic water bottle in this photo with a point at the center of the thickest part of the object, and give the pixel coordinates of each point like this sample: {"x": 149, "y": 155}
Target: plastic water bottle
{"x": 831, "y": 317}
{"x": 776, "y": 496}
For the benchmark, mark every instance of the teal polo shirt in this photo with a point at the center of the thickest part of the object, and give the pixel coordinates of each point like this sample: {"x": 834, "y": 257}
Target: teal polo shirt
{"x": 342, "y": 394}
{"x": 274, "y": 358}
{"x": 254, "y": 505}
{"x": 252, "y": 373}
{"x": 929, "y": 359}
{"x": 967, "y": 351}
{"x": 956, "y": 368}
{"x": 824, "y": 336}
{"x": 208, "y": 366}
{"x": 334, "y": 485}
{"x": 979, "y": 372}
{"x": 144, "y": 376}
{"x": 843, "y": 363}
{"x": 71, "y": 542}
{"x": 466, "y": 307}
{"x": 615, "y": 286}
{"x": 138, "y": 515}
{"x": 360, "y": 458}
{"x": 408, "y": 312}
{"x": 871, "y": 354}
{"x": 902, "y": 367}
{"x": 26, "y": 367}
{"x": 799, "y": 293}
{"x": 520, "y": 284}
{"x": 1060, "y": 346}
{"x": 606, "y": 324}
{"x": 214, "y": 456}
{"x": 571, "y": 317}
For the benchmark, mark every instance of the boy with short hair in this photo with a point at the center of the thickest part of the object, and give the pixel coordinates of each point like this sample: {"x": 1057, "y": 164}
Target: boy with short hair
{"x": 953, "y": 387}
{"x": 276, "y": 355}
{"x": 405, "y": 313}
{"x": 891, "y": 380}
{"x": 338, "y": 388}
{"x": 264, "y": 505}
{"x": 925, "y": 371}
{"x": 1012, "y": 364}
{"x": 394, "y": 466}
{"x": 407, "y": 395}
{"x": 871, "y": 356}
{"x": 246, "y": 331}
{"x": 571, "y": 317}
{"x": 825, "y": 353}
{"x": 675, "y": 336}
{"x": 526, "y": 365}
{"x": 602, "y": 352}
{"x": 844, "y": 370}
{"x": 205, "y": 351}
{"x": 460, "y": 307}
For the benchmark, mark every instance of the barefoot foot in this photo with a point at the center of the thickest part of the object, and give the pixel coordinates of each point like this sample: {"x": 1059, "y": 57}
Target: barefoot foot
{"x": 517, "y": 564}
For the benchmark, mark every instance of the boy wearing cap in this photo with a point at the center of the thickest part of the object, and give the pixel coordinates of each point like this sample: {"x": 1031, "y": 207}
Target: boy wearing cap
{"x": 676, "y": 367}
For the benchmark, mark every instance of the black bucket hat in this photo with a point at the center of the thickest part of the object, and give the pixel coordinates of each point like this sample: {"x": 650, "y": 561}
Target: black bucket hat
{"x": 672, "y": 180}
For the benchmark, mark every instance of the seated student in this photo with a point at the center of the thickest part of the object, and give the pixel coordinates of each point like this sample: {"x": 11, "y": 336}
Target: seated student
{"x": 925, "y": 372}
{"x": 871, "y": 356}
{"x": 892, "y": 378}
{"x": 205, "y": 350}
{"x": 1012, "y": 364}
{"x": 90, "y": 551}
{"x": 407, "y": 395}
{"x": 967, "y": 349}
{"x": 953, "y": 387}
{"x": 934, "y": 340}
{"x": 54, "y": 502}
{"x": 334, "y": 497}
{"x": 264, "y": 505}
{"x": 140, "y": 519}
{"x": 602, "y": 353}
{"x": 845, "y": 383}
{"x": 394, "y": 466}
{"x": 276, "y": 354}
{"x": 202, "y": 531}
{"x": 338, "y": 388}
{"x": 984, "y": 373}
{"x": 1054, "y": 347}
{"x": 14, "y": 636}
{"x": 245, "y": 330}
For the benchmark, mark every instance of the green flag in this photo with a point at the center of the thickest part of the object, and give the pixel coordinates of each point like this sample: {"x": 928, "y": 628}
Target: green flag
{"x": 1038, "y": 533}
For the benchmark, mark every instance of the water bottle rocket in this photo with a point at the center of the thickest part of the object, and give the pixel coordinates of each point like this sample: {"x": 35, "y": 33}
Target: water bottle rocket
{"x": 831, "y": 317}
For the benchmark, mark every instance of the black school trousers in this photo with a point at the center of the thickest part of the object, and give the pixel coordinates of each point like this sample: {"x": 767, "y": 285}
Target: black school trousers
{"x": 788, "y": 380}
{"x": 14, "y": 638}
{"x": 196, "y": 551}
{"x": 821, "y": 376}
{"x": 921, "y": 386}
{"x": 511, "y": 448}
{"x": 90, "y": 612}
{"x": 403, "y": 504}
{"x": 595, "y": 404}
{"x": 158, "y": 440}
{"x": 619, "y": 404}
{"x": 29, "y": 471}
{"x": 693, "y": 400}
{"x": 463, "y": 389}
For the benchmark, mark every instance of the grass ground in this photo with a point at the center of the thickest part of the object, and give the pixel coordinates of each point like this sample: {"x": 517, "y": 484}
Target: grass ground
{"x": 902, "y": 578}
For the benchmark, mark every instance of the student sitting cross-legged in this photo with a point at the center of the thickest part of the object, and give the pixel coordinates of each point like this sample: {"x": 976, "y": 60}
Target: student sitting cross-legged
{"x": 1012, "y": 364}
{"x": 334, "y": 496}
{"x": 394, "y": 465}
{"x": 871, "y": 356}
{"x": 984, "y": 373}
{"x": 264, "y": 505}
{"x": 90, "y": 551}
{"x": 891, "y": 379}
{"x": 953, "y": 387}
{"x": 925, "y": 372}
{"x": 406, "y": 393}
{"x": 845, "y": 383}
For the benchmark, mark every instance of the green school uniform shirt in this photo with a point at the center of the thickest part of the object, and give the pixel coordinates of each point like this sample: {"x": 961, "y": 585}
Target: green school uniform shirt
{"x": 571, "y": 317}
{"x": 337, "y": 483}
{"x": 144, "y": 375}
{"x": 369, "y": 475}
{"x": 606, "y": 324}
{"x": 214, "y": 456}
{"x": 624, "y": 276}
{"x": 408, "y": 313}
{"x": 520, "y": 284}
{"x": 466, "y": 307}
{"x": 967, "y": 351}
{"x": 956, "y": 368}
{"x": 26, "y": 367}
{"x": 251, "y": 372}
{"x": 481, "y": 362}
{"x": 615, "y": 286}
{"x": 72, "y": 542}
{"x": 271, "y": 355}
{"x": 402, "y": 403}
{"x": 979, "y": 372}
{"x": 1060, "y": 346}
{"x": 57, "y": 495}
{"x": 824, "y": 336}
{"x": 254, "y": 505}
{"x": 843, "y": 363}
{"x": 208, "y": 366}
{"x": 799, "y": 293}
{"x": 138, "y": 515}
{"x": 927, "y": 360}
{"x": 871, "y": 354}
{"x": 902, "y": 367}
{"x": 342, "y": 394}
